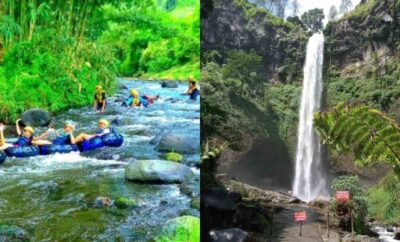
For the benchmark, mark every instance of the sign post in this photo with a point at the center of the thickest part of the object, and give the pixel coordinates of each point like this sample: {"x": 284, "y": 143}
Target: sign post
{"x": 300, "y": 216}
{"x": 327, "y": 223}
{"x": 343, "y": 197}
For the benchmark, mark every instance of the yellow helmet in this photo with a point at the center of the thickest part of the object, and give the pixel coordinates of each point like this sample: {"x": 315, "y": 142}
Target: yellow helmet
{"x": 30, "y": 129}
{"x": 134, "y": 93}
{"x": 68, "y": 124}
{"x": 104, "y": 122}
{"x": 98, "y": 87}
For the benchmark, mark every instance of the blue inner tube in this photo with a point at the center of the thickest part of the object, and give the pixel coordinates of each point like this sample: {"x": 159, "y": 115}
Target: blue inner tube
{"x": 90, "y": 144}
{"x": 54, "y": 148}
{"x": 22, "y": 151}
{"x": 3, "y": 157}
{"x": 112, "y": 139}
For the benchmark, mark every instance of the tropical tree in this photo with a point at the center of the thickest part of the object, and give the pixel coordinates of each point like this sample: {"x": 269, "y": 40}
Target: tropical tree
{"x": 242, "y": 66}
{"x": 345, "y": 6}
{"x": 370, "y": 134}
{"x": 295, "y": 7}
{"x": 312, "y": 19}
{"x": 332, "y": 13}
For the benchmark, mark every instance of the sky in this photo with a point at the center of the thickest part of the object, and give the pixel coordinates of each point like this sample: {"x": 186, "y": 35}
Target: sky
{"x": 305, "y": 5}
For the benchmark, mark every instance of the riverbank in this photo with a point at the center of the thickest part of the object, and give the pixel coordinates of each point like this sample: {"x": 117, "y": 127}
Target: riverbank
{"x": 263, "y": 215}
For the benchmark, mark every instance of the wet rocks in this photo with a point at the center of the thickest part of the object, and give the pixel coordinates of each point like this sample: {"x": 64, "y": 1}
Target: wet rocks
{"x": 217, "y": 199}
{"x": 169, "y": 84}
{"x": 157, "y": 171}
{"x": 185, "y": 228}
{"x": 358, "y": 238}
{"x": 172, "y": 156}
{"x": 117, "y": 122}
{"x": 36, "y": 117}
{"x": 233, "y": 234}
{"x": 12, "y": 233}
{"x": 101, "y": 202}
{"x": 124, "y": 202}
{"x": 195, "y": 203}
{"x": 189, "y": 212}
{"x": 191, "y": 188}
{"x": 179, "y": 143}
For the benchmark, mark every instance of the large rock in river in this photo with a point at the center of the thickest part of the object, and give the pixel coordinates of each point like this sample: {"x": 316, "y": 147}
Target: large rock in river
{"x": 12, "y": 233}
{"x": 169, "y": 84}
{"x": 178, "y": 143}
{"x": 227, "y": 235}
{"x": 36, "y": 117}
{"x": 157, "y": 171}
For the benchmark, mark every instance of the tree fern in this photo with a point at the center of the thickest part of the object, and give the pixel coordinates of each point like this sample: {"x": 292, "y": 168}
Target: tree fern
{"x": 370, "y": 134}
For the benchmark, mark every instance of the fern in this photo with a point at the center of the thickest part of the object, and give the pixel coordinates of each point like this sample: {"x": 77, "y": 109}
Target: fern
{"x": 370, "y": 134}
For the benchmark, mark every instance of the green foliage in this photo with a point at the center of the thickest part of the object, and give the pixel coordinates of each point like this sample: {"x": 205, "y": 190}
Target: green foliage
{"x": 54, "y": 48}
{"x": 49, "y": 76}
{"x": 383, "y": 200}
{"x": 243, "y": 67}
{"x": 152, "y": 40}
{"x": 358, "y": 200}
{"x": 185, "y": 228}
{"x": 379, "y": 92}
{"x": 362, "y": 10}
{"x": 370, "y": 134}
{"x": 312, "y": 19}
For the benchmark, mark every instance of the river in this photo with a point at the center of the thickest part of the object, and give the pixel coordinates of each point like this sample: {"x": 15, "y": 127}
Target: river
{"x": 51, "y": 197}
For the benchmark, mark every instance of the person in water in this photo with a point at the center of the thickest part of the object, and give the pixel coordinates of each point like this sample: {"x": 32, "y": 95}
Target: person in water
{"x": 63, "y": 138}
{"x": 192, "y": 91}
{"x": 25, "y": 137}
{"x": 135, "y": 100}
{"x": 99, "y": 99}
{"x": 104, "y": 128}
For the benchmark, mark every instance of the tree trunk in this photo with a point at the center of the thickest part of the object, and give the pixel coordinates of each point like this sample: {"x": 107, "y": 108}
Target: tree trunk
{"x": 24, "y": 20}
{"x": 70, "y": 17}
{"x": 32, "y": 23}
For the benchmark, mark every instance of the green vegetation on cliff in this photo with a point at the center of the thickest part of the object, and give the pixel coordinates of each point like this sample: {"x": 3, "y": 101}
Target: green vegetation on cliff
{"x": 362, "y": 66}
{"x": 383, "y": 200}
{"x": 249, "y": 91}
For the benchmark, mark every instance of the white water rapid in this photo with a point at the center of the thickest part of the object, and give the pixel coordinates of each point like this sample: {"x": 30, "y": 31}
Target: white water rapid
{"x": 310, "y": 179}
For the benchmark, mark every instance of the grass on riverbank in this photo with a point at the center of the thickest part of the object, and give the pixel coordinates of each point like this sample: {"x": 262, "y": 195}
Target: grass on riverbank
{"x": 383, "y": 200}
{"x": 177, "y": 73}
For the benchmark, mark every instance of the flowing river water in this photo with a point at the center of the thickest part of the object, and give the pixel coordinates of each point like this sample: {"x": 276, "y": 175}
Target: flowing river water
{"x": 51, "y": 197}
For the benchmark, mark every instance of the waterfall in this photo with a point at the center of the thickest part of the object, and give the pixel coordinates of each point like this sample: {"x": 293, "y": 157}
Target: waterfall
{"x": 310, "y": 178}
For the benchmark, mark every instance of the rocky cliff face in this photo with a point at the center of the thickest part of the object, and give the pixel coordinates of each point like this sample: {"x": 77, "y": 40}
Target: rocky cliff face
{"x": 362, "y": 65}
{"x": 368, "y": 34}
{"x": 266, "y": 122}
{"x": 236, "y": 24}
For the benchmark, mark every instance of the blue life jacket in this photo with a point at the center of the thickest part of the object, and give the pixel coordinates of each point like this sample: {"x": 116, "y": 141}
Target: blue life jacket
{"x": 62, "y": 139}
{"x": 143, "y": 100}
{"x": 101, "y": 131}
{"x": 194, "y": 94}
{"x": 23, "y": 141}
{"x": 129, "y": 101}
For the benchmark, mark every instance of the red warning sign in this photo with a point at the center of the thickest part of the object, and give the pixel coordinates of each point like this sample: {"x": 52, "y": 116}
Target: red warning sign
{"x": 300, "y": 216}
{"x": 342, "y": 196}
